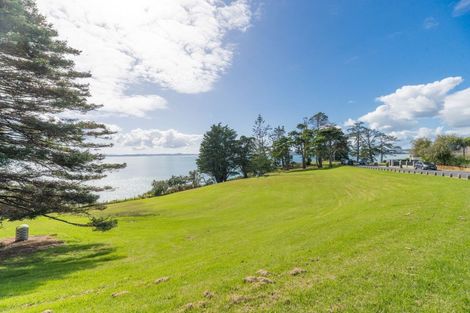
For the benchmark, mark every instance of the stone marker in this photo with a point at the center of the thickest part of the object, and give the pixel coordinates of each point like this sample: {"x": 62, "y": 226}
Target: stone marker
{"x": 22, "y": 232}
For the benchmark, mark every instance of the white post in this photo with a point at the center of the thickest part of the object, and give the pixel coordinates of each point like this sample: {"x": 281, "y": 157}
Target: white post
{"x": 22, "y": 232}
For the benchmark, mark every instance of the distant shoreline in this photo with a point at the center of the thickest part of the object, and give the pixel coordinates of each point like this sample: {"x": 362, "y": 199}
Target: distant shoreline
{"x": 150, "y": 154}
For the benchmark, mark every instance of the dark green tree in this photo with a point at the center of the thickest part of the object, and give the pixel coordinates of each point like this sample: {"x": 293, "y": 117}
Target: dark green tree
{"x": 333, "y": 140}
{"x": 302, "y": 141}
{"x": 218, "y": 153}
{"x": 281, "y": 152}
{"x": 280, "y": 149}
{"x": 45, "y": 159}
{"x": 261, "y": 161}
{"x": 356, "y": 137}
{"x": 319, "y": 120}
{"x": 261, "y": 164}
{"x": 245, "y": 153}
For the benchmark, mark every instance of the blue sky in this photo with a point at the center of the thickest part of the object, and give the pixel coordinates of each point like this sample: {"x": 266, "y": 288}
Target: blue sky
{"x": 288, "y": 59}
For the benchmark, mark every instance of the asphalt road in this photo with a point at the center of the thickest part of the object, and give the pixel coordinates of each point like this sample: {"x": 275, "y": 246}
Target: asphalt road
{"x": 453, "y": 174}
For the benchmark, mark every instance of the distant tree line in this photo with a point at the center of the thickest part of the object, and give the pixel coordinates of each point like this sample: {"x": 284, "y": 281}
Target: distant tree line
{"x": 223, "y": 154}
{"x": 370, "y": 144}
{"x": 444, "y": 150}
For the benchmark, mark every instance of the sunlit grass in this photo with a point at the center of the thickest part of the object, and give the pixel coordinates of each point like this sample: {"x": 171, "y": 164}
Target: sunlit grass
{"x": 369, "y": 241}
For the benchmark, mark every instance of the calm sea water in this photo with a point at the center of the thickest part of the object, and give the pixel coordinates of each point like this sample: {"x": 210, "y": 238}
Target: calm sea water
{"x": 137, "y": 177}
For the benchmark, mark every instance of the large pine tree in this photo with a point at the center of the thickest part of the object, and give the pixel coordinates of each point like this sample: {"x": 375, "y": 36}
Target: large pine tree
{"x": 45, "y": 158}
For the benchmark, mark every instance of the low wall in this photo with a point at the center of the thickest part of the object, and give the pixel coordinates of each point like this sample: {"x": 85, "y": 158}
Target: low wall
{"x": 421, "y": 172}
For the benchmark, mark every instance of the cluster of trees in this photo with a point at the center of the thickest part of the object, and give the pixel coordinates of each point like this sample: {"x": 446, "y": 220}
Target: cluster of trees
{"x": 445, "y": 149}
{"x": 223, "y": 154}
{"x": 194, "y": 179}
{"x": 370, "y": 144}
{"x": 45, "y": 159}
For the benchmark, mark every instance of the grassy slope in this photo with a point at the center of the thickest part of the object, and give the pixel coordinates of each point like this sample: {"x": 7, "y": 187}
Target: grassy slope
{"x": 370, "y": 241}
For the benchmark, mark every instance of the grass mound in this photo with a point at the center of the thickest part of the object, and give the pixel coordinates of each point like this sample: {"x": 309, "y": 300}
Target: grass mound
{"x": 341, "y": 240}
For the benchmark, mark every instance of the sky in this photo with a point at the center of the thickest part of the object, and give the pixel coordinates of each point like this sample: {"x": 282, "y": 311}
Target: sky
{"x": 166, "y": 70}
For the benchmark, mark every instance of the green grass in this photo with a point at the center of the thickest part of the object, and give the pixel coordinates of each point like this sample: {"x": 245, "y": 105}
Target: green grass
{"x": 370, "y": 241}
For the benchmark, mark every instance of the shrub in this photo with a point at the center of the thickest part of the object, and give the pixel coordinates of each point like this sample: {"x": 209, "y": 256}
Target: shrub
{"x": 177, "y": 183}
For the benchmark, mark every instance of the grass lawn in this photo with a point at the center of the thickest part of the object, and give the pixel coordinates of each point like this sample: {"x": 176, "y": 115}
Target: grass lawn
{"x": 369, "y": 241}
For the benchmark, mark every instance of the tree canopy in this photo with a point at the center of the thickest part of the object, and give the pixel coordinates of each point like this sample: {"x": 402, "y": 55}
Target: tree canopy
{"x": 445, "y": 149}
{"x": 356, "y": 136}
{"x": 45, "y": 158}
{"x": 218, "y": 153}
{"x": 244, "y": 154}
{"x": 301, "y": 139}
{"x": 333, "y": 141}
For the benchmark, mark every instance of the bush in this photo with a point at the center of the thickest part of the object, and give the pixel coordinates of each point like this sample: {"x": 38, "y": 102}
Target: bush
{"x": 159, "y": 188}
{"x": 261, "y": 164}
{"x": 176, "y": 184}
{"x": 459, "y": 161}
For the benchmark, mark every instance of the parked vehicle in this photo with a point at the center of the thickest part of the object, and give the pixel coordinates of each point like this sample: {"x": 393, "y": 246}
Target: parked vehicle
{"x": 420, "y": 165}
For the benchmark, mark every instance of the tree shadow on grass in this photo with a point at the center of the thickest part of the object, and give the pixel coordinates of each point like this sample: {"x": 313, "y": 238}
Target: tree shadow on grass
{"x": 21, "y": 274}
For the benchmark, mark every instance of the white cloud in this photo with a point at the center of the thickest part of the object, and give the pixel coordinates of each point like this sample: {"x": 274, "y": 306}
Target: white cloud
{"x": 405, "y": 137}
{"x": 113, "y": 127}
{"x": 350, "y": 122}
{"x": 402, "y": 109}
{"x": 456, "y": 109}
{"x": 461, "y": 131}
{"x": 462, "y": 7}
{"x": 408, "y": 135}
{"x": 430, "y": 23}
{"x": 405, "y": 112}
{"x": 175, "y": 44}
{"x": 155, "y": 141}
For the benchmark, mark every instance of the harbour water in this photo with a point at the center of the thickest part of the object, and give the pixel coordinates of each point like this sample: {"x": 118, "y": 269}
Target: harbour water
{"x": 141, "y": 170}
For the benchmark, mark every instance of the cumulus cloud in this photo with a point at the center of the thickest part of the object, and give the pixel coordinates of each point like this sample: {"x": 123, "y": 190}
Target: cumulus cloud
{"x": 156, "y": 141}
{"x": 402, "y": 109}
{"x": 349, "y": 122}
{"x": 456, "y": 109}
{"x": 406, "y": 112}
{"x": 174, "y": 44}
{"x": 462, "y": 7}
{"x": 113, "y": 127}
{"x": 406, "y": 136}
